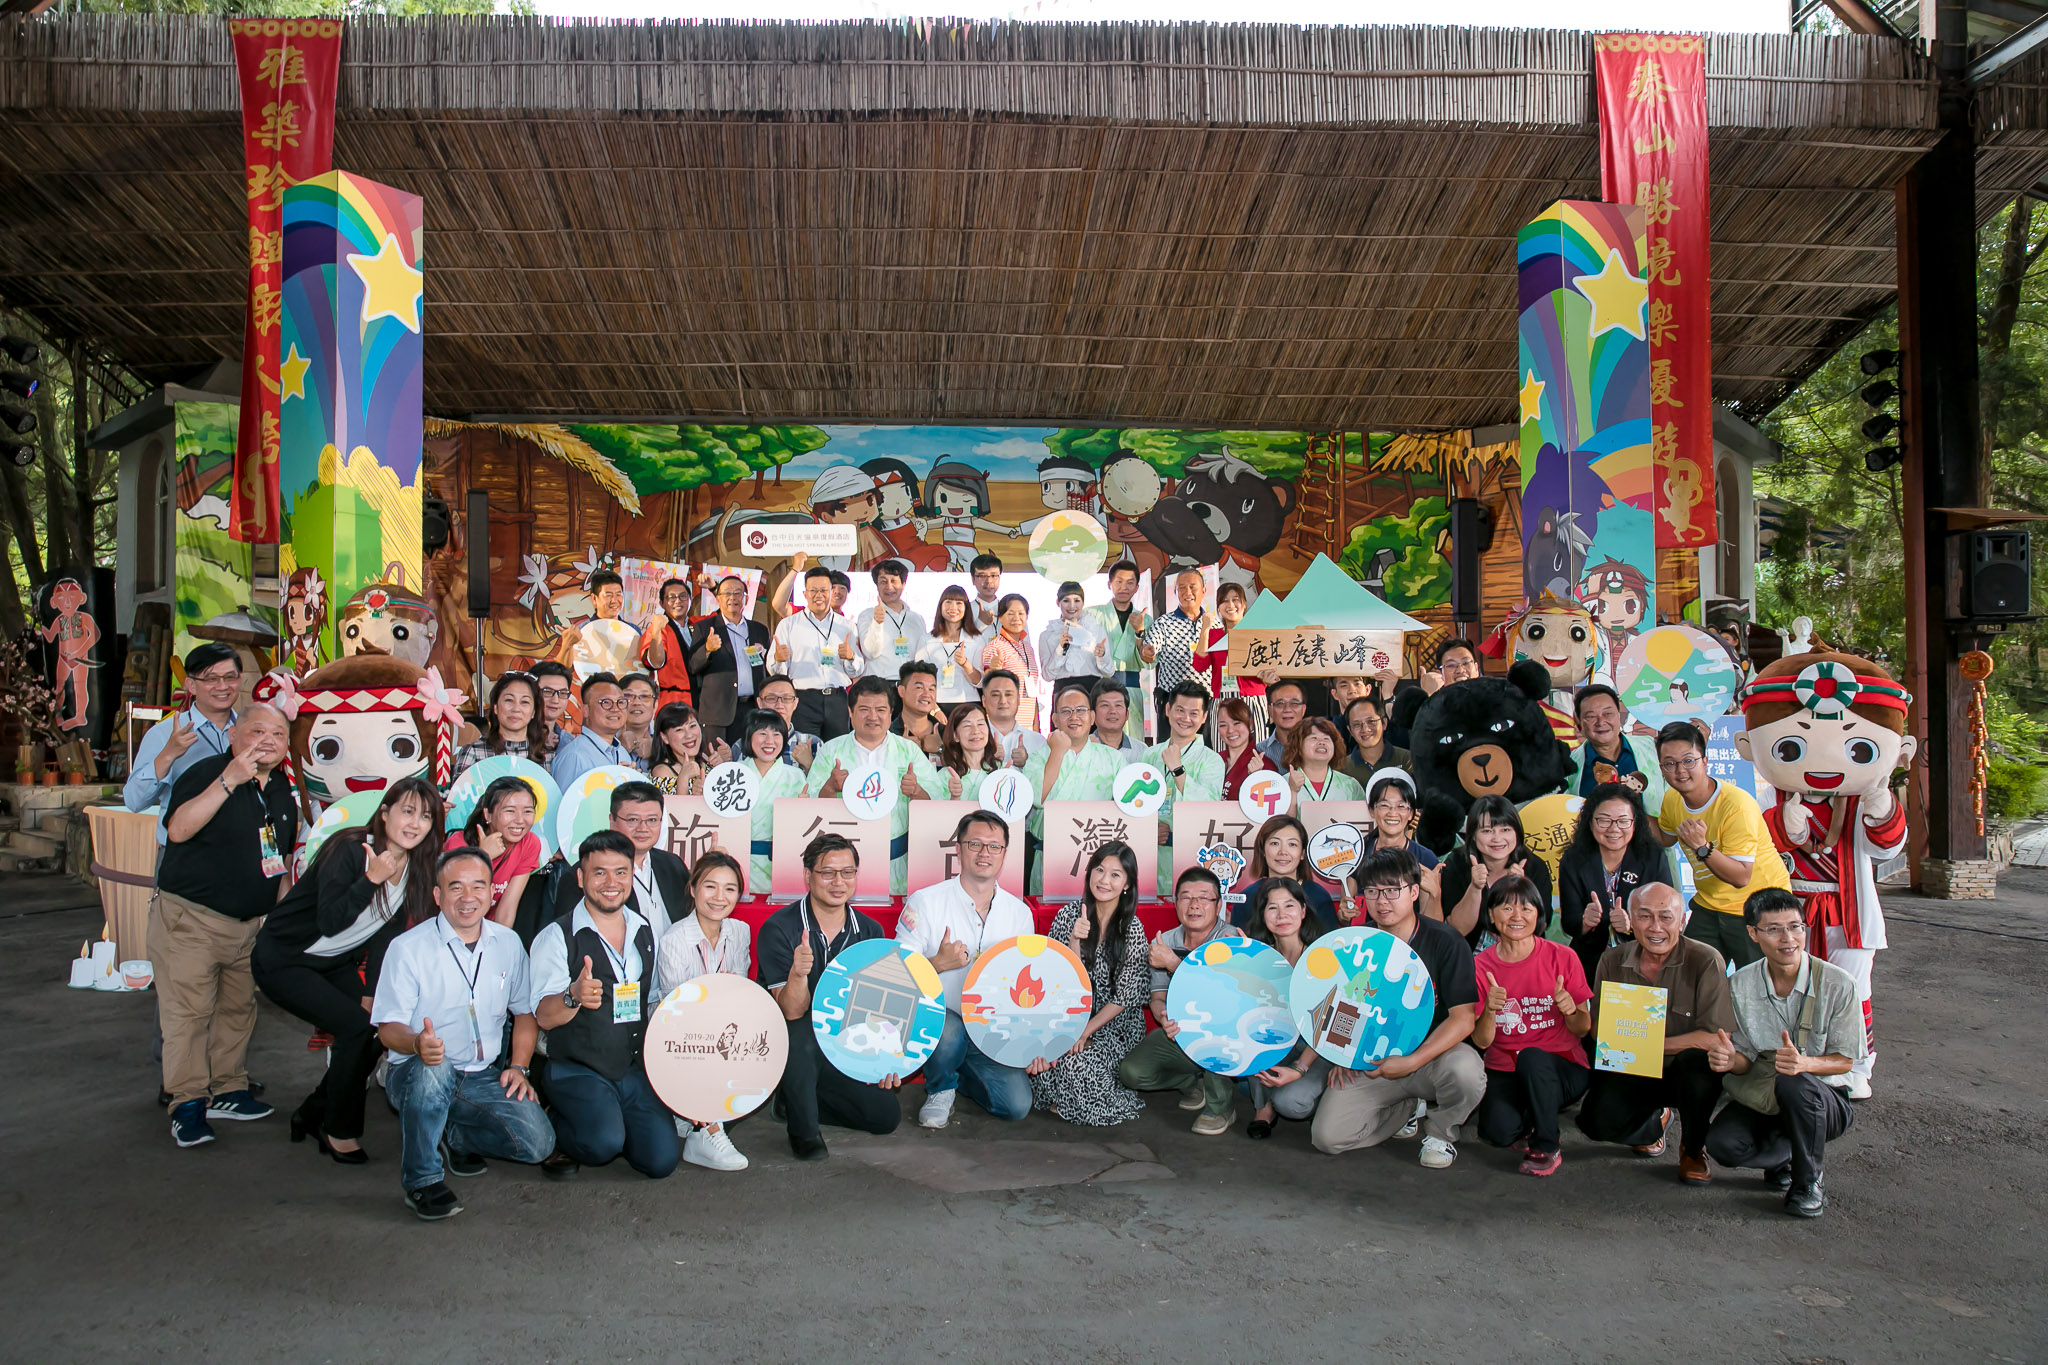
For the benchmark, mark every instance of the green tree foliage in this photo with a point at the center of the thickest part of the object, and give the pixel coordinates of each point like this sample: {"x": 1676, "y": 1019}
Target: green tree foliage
{"x": 1277, "y": 454}
{"x": 660, "y": 459}
{"x": 1420, "y": 577}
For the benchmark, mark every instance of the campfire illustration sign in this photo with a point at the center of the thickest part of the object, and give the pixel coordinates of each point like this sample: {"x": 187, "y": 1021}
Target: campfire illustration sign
{"x": 1025, "y": 998}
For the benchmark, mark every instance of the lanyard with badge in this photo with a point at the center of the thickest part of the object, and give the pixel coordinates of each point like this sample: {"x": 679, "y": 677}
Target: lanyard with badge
{"x": 901, "y": 649}
{"x": 267, "y": 852}
{"x": 469, "y": 979}
{"x": 625, "y": 994}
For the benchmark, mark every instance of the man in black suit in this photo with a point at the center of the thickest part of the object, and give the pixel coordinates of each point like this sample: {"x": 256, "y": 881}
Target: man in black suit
{"x": 729, "y": 665}
{"x": 661, "y": 883}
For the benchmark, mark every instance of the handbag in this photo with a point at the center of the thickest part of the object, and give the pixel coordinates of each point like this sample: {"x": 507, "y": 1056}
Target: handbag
{"x": 1757, "y": 1088}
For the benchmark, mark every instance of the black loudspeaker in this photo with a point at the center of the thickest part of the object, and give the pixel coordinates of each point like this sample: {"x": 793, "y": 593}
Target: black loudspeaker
{"x": 1999, "y": 574}
{"x": 1471, "y": 537}
{"x": 433, "y": 524}
{"x": 477, "y": 526}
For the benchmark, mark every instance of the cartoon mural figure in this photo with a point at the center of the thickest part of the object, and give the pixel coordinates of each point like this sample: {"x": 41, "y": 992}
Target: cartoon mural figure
{"x": 389, "y": 618}
{"x": 899, "y": 520}
{"x": 1559, "y": 635}
{"x": 305, "y": 617}
{"x": 1619, "y": 597}
{"x": 1223, "y": 512}
{"x": 1554, "y": 559}
{"x": 1827, "y": 731}
{"x": 362, "y": 723}
{"x": 959, "y": 499}
{"x": 842, "y": 495}
{"x": 74, "y": 632}
{"x": 1130, "y": 488}
{"x": 1067, "y": 483}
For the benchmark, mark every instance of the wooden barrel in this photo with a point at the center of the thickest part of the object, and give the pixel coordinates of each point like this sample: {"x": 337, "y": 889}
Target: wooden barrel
{"x": 124, "y": 863}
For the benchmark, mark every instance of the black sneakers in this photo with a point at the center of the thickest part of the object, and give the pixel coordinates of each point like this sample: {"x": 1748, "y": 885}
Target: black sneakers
{"x": 433, "y": 1202}
{"x": 464, "y": 1164}
{"x": 1779, "y": 1178}
{"x": 808, "y": 1149}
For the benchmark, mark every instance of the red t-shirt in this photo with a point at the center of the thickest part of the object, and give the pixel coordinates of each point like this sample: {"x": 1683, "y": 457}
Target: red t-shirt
{"x": 1529, "y": 1018}
{"x": 520, "y": 859}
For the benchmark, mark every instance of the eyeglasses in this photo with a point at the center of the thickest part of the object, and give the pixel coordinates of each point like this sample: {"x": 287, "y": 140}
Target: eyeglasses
{"x": 835, "y": 874}
{"x": 1788, "y": 930}
{"x": 1195, "y": 898}
{"x": 1074, "y": 712}
{"x": 638, "y": 821}
{"x": 609, "y": 704}
{"x": 983, "y": 846}
{"x": 1680, "y": 765}
{"x": 219, "y": 676}
{"x": 1613, "y": 821}
{"x": 555, "y": 693}
{"x": 1289, "y": 705}
{"x": 1384, "y": 895}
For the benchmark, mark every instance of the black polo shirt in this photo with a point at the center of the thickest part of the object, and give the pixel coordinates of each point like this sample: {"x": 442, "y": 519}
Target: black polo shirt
{"x": 775, "y": 946}
{"x": 221, "y": 866}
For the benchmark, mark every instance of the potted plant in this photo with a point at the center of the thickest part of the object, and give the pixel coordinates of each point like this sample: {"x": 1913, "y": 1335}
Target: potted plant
{"x": 26, "y": 695}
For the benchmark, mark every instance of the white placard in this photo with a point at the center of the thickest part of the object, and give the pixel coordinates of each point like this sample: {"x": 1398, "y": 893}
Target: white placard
{"x": 775, "y": 541}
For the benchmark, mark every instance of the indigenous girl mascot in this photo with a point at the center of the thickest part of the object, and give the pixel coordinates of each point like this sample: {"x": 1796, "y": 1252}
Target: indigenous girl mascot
{"x": 362, "y": 723}
{"x": 1827, "y": 730}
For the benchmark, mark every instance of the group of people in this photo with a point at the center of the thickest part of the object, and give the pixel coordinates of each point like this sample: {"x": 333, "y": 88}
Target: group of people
{"x": 504, "y": 1001}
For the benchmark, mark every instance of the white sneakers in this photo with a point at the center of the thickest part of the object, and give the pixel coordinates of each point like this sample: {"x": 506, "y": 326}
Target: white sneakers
{"x": 1414, "y": 1125}
{"x": 712, "y": 1151}
{"x": 1437, "y": 1154}
{"x": 1858, "y": 1087}
{"x": 1215, "y": 1125}
{"x": 936, "y": 1109}
{"x": 1192, "y": 1099}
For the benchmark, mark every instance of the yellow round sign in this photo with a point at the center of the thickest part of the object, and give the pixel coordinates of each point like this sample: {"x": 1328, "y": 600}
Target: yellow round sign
{"x": 1547, "y": 825}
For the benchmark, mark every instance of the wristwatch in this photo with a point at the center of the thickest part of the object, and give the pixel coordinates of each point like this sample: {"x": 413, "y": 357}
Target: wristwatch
{"x": 520, "y": 1069}
{"x": 569, "y": 1001}
{"x": 1705, "y": 850}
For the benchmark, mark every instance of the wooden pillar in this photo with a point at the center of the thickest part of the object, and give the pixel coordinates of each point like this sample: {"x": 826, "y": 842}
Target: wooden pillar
{"x": 1937, "y": 244}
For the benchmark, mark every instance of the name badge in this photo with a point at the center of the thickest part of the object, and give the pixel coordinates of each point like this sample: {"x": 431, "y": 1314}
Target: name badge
{"x": 626, "y": 1002}
{"x": 755, "y": 654}
{"x": 902, "y": 646}
{"x": 266, "y": 844}
{"x": 946, "y": 675}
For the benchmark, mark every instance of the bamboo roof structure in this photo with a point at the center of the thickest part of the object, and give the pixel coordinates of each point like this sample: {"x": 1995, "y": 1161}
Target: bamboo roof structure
{"x": 1076, "y": 224}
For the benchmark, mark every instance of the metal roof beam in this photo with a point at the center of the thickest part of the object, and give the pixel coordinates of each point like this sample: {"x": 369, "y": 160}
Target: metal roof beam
{"x": 2006, "y": 53}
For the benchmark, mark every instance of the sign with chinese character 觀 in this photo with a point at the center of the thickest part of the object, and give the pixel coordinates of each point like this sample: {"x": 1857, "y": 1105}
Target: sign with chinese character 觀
{"x": 1313, "y": 651}
{"x": 690, "y": 828}
{"x": 800, "y": 820}
{"x": 933, "y": 856}
{"x": 1653, "y": 154}
{"x": 1075, "y": 829}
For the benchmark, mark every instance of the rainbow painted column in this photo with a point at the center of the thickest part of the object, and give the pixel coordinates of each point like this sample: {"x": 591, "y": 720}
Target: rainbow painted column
{"x": 1584, "y": 324}
{"x": 349, "y": 468}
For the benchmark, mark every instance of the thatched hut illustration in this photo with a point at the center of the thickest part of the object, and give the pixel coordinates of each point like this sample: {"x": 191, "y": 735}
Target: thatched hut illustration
{"x": 882, "y": 993}
{"x": 1335, "y": 1020}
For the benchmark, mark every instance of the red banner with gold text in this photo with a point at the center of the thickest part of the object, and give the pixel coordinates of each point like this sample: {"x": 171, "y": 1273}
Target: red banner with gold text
{"x": 287, "y": 69}
{"x": 1653, "y": 154}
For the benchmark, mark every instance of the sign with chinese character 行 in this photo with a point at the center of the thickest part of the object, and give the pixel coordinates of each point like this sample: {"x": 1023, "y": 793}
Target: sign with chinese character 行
{"x": 1075, "y": 829}
{"x": 800, "y": 820}
{"x": 1313, "y": 651}
{"x": 934, "y": 857}
{"x": 1653, "y": 154}
{"x": 1630, "y": 1033}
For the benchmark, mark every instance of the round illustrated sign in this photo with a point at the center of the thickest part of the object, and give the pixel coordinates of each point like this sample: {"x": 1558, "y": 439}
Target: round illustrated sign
{"x": 731, "y": 789}
{"x": 1139, "y": 789}
{"x": 870, "y": 794}
{"x": 1025, "y": 998}
{"x": 586, "y": 805}
{"x": 1547, "y": 825}
{"x": 878, "y": 1011}
{"x": 1335, "y": 851}
{"x": 1226, "y": 861}
{"x": 1264, "y": 794}
{"x": 715, "y": 1048}
{"x": 1361, "y": 996}
{"x": 1007, "y": 793}
{"x": 352, "y": 810}
{"x": 1676, "y": 673}
{"x": 1068, "y": 547}
{"x": 1230, "y": 1000}
{"x": 470, "y": 787}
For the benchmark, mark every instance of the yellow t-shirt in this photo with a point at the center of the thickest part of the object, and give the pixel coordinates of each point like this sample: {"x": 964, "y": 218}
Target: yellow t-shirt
{"x": 1735, "y": 826}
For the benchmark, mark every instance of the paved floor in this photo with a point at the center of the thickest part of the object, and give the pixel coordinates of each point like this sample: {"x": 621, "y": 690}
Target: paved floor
{"x": 120, "y": 1247}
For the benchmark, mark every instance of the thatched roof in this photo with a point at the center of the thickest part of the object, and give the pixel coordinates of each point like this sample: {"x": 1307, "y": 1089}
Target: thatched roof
{"x": 1160, "y": 225}
{"x": 563, "y": 445}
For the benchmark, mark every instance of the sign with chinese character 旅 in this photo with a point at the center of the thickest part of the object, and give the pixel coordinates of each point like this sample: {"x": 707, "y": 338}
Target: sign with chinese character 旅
{"x": 1653, "y": 154}
{"x": 286, "y": 69}
{"x": 1202, "y": 825}
{"x": 933, "y": 855}
{"x": 690, "y": 828}
{"x": 1075, "y": 829}
{"x": 1630, "y": 1037}
{"x": 1330, "y": 625}
{"x": 798, "y": 821}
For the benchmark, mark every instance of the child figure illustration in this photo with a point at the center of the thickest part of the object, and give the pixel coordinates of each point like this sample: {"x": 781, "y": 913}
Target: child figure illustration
{"x": 897, "y": 520}
{"x": 305, "y": 617}
{"x": 1619, "y": 598}
{"x": 959, "y": 498}
{"x": 74, "y": 633}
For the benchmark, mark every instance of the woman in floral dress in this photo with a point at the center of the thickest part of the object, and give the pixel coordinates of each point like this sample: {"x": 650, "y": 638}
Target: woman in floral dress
{"x": 1104, "y": 932}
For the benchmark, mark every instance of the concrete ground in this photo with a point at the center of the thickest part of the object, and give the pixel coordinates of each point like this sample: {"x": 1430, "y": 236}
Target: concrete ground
{"x": 947, "y": 1246}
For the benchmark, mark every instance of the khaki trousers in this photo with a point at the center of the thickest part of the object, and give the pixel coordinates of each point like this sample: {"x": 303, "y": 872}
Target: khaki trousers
{"x": 205, "y": 996}
{"x": 1368, "y": 1112}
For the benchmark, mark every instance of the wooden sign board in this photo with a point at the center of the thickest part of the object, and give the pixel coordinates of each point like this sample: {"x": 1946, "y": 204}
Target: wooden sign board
{"x": 1075, "y": 829}
{"x": 1314, "y": 652}
{"x": 934, "y": 857}
{"x": 800, "y": 820}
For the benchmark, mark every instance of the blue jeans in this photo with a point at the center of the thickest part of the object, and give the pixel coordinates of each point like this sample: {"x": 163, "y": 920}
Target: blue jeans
{"x": 1005, "y": 1091}
{"x": 470, "y": 1109}
{"x": 597, "y": 1120}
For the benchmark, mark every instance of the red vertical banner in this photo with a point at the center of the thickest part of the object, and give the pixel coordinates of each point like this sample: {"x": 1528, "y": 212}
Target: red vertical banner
{"x": 287, "y": 70}
{"x": 1653, "y": 154}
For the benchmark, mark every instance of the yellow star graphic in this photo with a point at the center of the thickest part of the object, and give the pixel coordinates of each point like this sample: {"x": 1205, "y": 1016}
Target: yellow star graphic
{"x": 391, "y": 288}
{"x": 1532, "y": 399}
{"x": 291, "y": 372}
{"x": 1618, "y": 298}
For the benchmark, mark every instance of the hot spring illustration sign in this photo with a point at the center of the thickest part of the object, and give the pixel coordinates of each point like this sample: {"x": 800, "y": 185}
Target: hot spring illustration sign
{"x": 1230, "y": 1000}
{"x": 1025, "y": 998}
{"x": 1361, "y": 996}
{"x": 879, "y": 1010}
{"x": 1676, "y": 673}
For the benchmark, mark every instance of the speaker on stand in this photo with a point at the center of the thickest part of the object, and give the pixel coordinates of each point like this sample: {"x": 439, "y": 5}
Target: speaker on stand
{"x": 476, "y": 528}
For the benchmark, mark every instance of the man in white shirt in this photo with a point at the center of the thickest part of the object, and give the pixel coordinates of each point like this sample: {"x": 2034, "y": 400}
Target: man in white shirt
{"x": 604, "y": 644}
{"x": 870, "y": 747}
{"x": 213, "y": 675}
{"x": 952, "y": 923}
{"x": 893, "y": 633}
{"x": 1001, "y": 694}
{"x": 987, "y": 572}
{"x": 597, "y": 745}
{"x": 470, "y": 974}
{"x": 1112, "y": 710}
{"x": 1073, "y": 646}
{"x": 815, "y": 649}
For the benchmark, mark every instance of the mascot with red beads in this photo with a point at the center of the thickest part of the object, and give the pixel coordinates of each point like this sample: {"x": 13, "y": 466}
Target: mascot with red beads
{"x": 1827, "y": 730}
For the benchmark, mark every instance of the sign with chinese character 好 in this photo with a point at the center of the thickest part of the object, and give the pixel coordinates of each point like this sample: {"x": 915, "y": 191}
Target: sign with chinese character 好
{"x": 1653, "y": 154}
{"x": 934, "y": 857}
{"x": 1198, "y": 825}
{"x": 1075, "y": 829}
{"x": 798, "y": 821}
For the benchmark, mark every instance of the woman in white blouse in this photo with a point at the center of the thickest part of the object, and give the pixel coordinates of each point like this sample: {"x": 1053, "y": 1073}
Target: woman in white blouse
{"x": 708, "y": 941}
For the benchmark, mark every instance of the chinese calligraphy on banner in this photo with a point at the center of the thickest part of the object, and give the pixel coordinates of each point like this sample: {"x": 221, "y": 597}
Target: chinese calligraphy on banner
{"x": 287, "y": 70}
{"x": 1653, "y": 154}
{"x": 1314, "y": 652}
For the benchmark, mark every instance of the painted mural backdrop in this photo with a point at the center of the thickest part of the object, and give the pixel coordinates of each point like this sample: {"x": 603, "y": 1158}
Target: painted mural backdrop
{"x": 568, "y": 498}
{"x": 1587, "y": 472}
{"x": 214, "y": 593}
